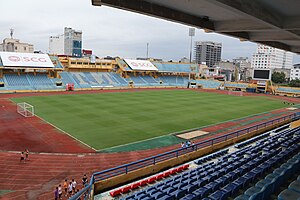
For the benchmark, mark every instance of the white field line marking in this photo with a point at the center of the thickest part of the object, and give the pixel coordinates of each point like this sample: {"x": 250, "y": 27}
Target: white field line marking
{"x": 62, "y": 131}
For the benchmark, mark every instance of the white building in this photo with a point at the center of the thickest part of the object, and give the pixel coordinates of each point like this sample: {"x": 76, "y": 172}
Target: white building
{"x": 56, "y": 45}
{"x": 271, "y": 58}
{"x": 70, "y": 43}
{"x": 295, "y": 72}
{"x": 14, "y": 45}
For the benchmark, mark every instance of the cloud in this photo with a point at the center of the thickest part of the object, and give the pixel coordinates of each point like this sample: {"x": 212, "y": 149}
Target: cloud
{"x": 107, "y": 31}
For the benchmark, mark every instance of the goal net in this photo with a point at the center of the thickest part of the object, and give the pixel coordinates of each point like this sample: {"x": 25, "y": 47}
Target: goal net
{"x": 235, "y": 93}
{"x": 25, "y": 109}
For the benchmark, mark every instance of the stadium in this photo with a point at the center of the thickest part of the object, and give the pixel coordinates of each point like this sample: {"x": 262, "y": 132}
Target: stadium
{"x": 144, "y": 129}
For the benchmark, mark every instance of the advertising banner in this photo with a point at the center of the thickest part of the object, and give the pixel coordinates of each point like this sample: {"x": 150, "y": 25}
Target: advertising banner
{"x": 142, "y": 65}
{"x": 12, "y": 59}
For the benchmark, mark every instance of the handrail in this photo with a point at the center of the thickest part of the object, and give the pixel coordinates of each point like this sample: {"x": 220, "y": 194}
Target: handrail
{"x": 124, "y": 169}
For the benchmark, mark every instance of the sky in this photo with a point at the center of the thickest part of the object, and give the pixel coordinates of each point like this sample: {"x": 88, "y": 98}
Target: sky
{"x": 109, "y": 31}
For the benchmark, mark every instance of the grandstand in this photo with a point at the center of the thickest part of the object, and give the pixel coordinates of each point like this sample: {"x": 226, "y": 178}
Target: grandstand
{"x": 117, "y": 73}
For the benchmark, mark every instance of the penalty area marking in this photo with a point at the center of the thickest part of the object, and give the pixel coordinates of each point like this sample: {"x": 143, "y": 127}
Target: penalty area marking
{"x": 67, "y": 134}
{"x": 63, "y": 131}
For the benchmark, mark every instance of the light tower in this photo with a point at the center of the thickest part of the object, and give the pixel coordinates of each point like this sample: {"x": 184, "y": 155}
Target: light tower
{"x": 11, "y": 33}
{"x": 191, "y": 34}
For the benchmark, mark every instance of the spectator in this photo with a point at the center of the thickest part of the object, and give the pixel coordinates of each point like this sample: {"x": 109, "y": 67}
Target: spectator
{"x": 59, "y": 191}
{"x": 182, "y": 144}
{"x": 66, "y": 187}
{"x": 56, "y": 193}
{"x": 74, "y": 183}
{"x": 84, "y": 180}
{"x": 70, "y": 189}
{"x": 188, "y": 143}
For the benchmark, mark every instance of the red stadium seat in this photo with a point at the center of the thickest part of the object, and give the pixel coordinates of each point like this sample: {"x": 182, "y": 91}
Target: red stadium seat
{"x": 143, "y": 182}
{"x": 152, "y": 179}
{"x": 115, "y": 193}
{"x": 166, "y": 174}
{"x": 186, "y": 166}
{"x": 179, "y": 169}
{"x": 159, "y": 176}
{"x": 125, "y": 189}
{"x": 173, "y": 171}
{"x": 135, "y": 185}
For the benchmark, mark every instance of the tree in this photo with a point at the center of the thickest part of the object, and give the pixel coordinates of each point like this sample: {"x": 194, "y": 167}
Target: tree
{"x": 295, "y": 83}
{"x": 278, "y": 77}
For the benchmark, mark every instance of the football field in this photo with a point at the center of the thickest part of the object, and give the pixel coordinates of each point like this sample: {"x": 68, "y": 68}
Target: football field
{"x": 105, "y": 120}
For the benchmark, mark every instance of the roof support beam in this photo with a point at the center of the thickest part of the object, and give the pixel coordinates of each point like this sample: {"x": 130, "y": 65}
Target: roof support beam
{"x": 291, "y": 23}
{"x": 239, "y": 26}
{"x": 151, "y": 9}
{"x": 271, "y": 36}
{"x": 253, "y": 9}
{"x": 257, "y": 11}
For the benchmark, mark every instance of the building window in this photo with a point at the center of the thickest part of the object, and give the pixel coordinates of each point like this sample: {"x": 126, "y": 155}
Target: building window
{"x": 16, "y": 48}
{"x": 24, "y": 48}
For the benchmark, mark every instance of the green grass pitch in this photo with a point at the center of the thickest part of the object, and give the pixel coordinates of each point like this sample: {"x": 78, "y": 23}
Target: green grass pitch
{"x": 109, "y": 119}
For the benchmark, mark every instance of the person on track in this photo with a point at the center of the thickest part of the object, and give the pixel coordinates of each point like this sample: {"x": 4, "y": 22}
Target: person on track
{"x": 22, "y": 159}
{"x": 27, "y": 154}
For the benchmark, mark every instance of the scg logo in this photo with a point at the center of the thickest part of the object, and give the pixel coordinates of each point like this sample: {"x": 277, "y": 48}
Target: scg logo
{"x": 140, "y": 64}
{"x": 14, "y": 58}
{"x": 26, "y": 59}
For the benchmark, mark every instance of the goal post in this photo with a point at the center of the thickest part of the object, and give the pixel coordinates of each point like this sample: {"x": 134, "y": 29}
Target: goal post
{"x": 235, "y": 93}
{"x": 25, "y": 109}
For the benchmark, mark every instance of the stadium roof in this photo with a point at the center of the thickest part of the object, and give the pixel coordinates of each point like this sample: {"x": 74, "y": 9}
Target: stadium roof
{"x": 275, "y": 23}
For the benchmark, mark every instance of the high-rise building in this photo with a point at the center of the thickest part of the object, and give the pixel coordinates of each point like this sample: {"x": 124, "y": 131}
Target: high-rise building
{"x": 70, "y": 43}
{"x": 73, "y": 42}
{"x": 271, "y": 58}
{"x": 14, "y": 45}
{"x": 207, "y": 52}
{"x": 56, "y": 45}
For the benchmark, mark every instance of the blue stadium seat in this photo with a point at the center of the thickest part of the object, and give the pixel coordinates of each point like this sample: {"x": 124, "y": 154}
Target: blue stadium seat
{"x": 231, "y": 188}
{"x": 295, "y": 186}
{"x": 189, "y": 197}
{"x": 289, "y": 195}
{"x": 219, "y": 195}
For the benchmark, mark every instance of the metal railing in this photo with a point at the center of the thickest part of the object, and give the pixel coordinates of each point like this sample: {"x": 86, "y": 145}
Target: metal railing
{"x": 124, "y": 169}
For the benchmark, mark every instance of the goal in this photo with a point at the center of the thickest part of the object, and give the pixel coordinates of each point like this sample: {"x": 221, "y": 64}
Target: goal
{"x": 25, "y": 109}
{"x": 235, "y": 93}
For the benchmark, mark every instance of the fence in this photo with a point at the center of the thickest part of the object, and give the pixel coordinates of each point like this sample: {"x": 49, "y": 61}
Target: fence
{"x": 124, "y": 169}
